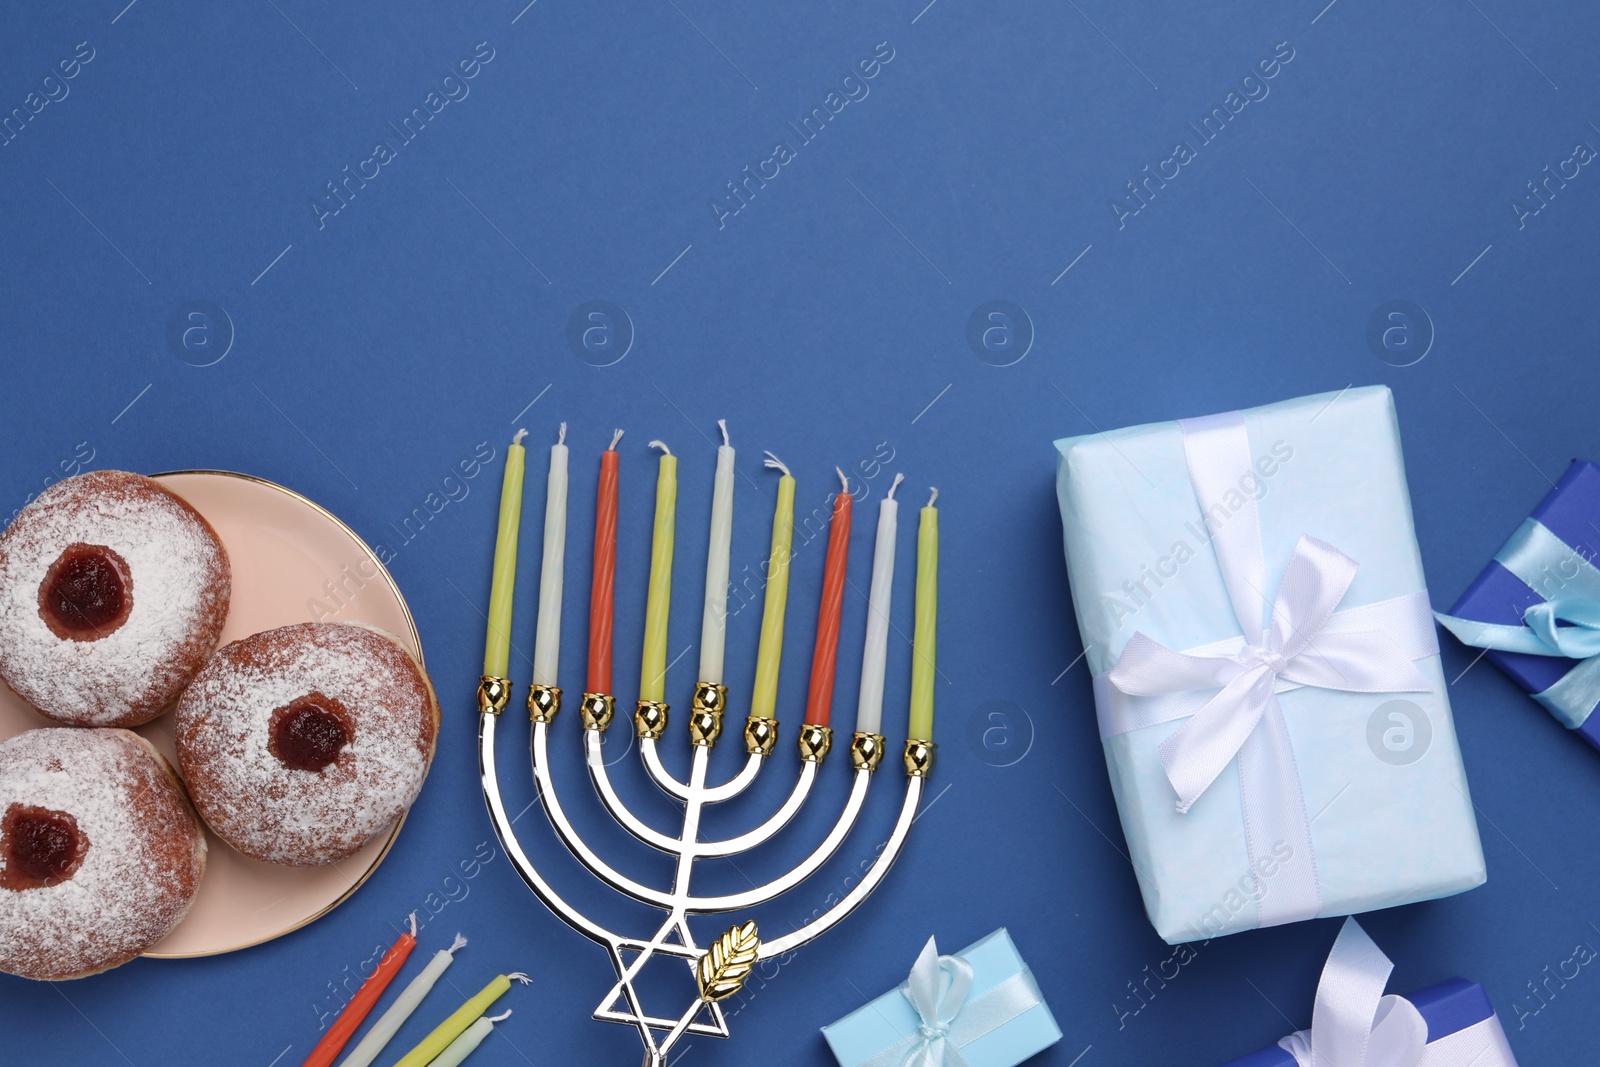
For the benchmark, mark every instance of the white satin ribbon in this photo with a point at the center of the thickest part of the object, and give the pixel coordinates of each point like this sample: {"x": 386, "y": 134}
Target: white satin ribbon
{"x": 938, "y": 989}
{"x": 1355, "y": 1025}
{"x": 1302, "y": 642}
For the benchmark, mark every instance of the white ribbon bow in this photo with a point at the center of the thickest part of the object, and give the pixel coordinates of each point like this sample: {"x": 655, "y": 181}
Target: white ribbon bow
{"x": 1355, "y": 1025}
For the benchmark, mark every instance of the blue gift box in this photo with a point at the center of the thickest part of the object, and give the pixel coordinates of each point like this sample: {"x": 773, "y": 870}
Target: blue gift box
{"x": 1571, "y": 511}
{"x": 890, "y": 1020}
{"x": 1448, "y": 1007}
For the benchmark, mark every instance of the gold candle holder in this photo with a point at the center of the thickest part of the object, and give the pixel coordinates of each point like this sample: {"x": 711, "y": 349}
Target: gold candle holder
{"x": 597, "y": 709}
{"x": 544, "y": 702}
{"x": 493, "y": 694}
{"x": 866, "y": 750}
{"x": 649, "y": 719}
{"x": 919, "y": 758}
{"x": 814, "y": 742}
{"x": 760, "y": 734}
{"x": 705, "y": 714}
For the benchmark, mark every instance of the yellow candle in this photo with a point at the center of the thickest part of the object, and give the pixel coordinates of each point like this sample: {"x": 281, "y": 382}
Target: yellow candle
{"x": 458, "y": 1022}
{"x": 764, "y": 698}
{"x": 924, "y": 636}
{"x": 497, "y": 645}
{"x": 653, "y": 663}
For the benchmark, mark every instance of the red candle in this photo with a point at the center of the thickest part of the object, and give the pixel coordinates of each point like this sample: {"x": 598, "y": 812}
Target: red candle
{"x": 820, "y": 699}
{"x": 350, "y": 1018}
{"x": 605, "y": 568}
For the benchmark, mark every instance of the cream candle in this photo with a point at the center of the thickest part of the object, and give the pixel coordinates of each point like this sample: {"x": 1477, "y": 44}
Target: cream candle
{"x": 410, "y": 998}
{"x": 470, "y": 1039}
{"x": 875, "y": 653}
{"x": 714, "y": 621}
{"x": 547, "y": 636}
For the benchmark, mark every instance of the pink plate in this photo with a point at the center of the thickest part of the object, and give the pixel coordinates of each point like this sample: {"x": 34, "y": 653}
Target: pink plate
{"x": 284, "y": 549}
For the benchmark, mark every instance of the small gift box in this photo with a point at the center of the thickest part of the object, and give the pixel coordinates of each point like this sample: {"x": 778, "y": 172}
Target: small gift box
{"x": 1536, "y": 606}
{"x": 978, "y": 1008}
{"x": 1297, "y": 758}
{"x": 1444, "y": 1025}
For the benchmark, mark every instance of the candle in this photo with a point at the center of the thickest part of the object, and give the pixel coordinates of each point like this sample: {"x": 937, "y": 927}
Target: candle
{"x": 923, "y": 638}
{"x": 764, "y": 697}
{"x": 547, "y": 637}
{"x": 497, "y": 644}
{"x": 605, "y": 567}
{"x": 874, "y": 656}
{"x": 470, "y": 1039}
{"x": 406, "y": 1003}
{"x": 714, "y": 621}
{"x": 653, "y": 661}
{"x": 344, "y": 1026}
{"x": 458, "y": 1022}
{"x": 820, "y": 700}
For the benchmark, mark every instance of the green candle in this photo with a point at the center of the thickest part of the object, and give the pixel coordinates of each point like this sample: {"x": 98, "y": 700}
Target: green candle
{"x": 764, "y": 698}
{"x": 923, "y": 638}
{"x": 653, "y": 662}
{"x": 497, "y": 644}
{"x": 458, "y": 1022}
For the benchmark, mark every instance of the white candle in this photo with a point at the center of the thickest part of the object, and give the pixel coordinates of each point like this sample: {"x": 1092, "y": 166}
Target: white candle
{"x": 406, "y": 1003}
{"x": 874, "y": 657}
{"x": 547, "y": 637}
{"x": 470, "y": 1038}
{"x": 714, "y": 622}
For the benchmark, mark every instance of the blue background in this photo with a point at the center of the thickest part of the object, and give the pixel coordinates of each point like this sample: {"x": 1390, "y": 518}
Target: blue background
{"x": 828, "y": 321}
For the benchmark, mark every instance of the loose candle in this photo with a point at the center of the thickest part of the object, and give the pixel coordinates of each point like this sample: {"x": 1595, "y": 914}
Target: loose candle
{"x": 459, "y": 1020}
{"x": 470, "y": 1039}
{"x": 714, "y": 621}
{"x": 764, "y": 696}
{"x": 406, "y": 1003}
{"x": 923, "y": 638}
{"x": 497, "y": 644}
{"x": 333, "y": 1042}
{"x": 547, "y": 637}
{"x": 605, "y": 568}
{"x": 653, "y": 661}
{"x": 874, "y": 656}
{"x": 820, "y": 699}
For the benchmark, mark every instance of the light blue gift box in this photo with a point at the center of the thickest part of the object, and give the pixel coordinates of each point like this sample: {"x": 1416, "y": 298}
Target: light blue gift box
{"x": 1384, "y": 832}
{"x": 889, "y": 1020}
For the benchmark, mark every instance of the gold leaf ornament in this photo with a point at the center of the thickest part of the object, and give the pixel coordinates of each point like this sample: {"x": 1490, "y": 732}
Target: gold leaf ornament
{"x": 727, "y": 962}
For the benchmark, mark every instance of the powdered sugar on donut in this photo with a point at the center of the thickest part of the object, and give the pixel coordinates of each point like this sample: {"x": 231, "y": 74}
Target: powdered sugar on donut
{"x": 280, "y": 814}
{"x": 144, "y": 860}
{"x": 174, "y": 560}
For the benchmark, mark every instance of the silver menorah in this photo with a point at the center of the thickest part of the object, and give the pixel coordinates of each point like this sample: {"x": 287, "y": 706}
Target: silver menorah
{"x": 720, "y": 967}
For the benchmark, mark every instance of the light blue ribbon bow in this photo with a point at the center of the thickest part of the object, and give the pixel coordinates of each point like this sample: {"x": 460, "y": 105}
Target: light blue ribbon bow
{"x": 1566, "y": 623}
{"x": 938, "y": 990}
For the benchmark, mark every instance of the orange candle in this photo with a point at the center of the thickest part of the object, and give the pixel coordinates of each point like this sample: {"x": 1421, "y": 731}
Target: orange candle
{"x": 355, "y": 1012}
{"x": 605, "y": 568}
{"x": 820, "y": 699}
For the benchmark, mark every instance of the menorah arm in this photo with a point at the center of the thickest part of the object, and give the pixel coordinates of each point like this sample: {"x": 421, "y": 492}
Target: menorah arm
{"x": 779, "y": 819}
{"x": 513, "y": 848}
{"x": 658, "y": 772}
{"x": 594, "y": 756}
{"x": 737, "y": 784}
{"x": 869, "y": 881}
{"x": 539, "y": 752}
{"x": 783, "y": 883}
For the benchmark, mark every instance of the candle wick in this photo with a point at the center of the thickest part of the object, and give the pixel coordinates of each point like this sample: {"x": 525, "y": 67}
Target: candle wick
{"x": 722, "y": 424}
{"x": 457, "y": 945}
{"x": 932, "y": 498}
{"x": 561, "y": 438}
{"x": 898, "y": 478}
{"x": 518, "y": 976}
{"x": 502, "y": 1017}
{"x": 661, "y": 445}
{"x": 843, "y": 481}
{"x": 517, "y": 438}
{"x": 412, "y": 919}
{"x": 614, "y": 439}
{"x": 774, "y": 463}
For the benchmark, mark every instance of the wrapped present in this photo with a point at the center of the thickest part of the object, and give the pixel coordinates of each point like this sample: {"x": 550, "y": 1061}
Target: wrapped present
{"x": 1536, "y": 606}
{"x": 978, "y": 1008}
{"x": 1450, "y": 1024}
{"x": 1297, "y": 758}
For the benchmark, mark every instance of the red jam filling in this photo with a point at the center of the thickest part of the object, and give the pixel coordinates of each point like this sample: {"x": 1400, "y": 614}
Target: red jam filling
{"x": 309, "y": 734}
{"x": 41, "y": 847}
{"x": 86, "y": 594}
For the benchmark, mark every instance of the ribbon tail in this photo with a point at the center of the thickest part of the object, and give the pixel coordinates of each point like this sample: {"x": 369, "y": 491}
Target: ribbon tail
{"x": 1197, "y": 752}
